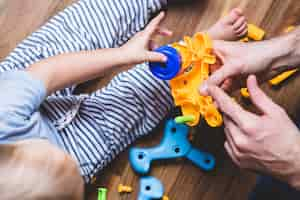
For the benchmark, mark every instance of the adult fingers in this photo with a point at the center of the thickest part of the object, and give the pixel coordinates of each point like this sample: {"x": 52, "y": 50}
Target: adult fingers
{"x": 259, "y": 98}
{"x": 229, "y": 106}
{"x": 217, "y": 78}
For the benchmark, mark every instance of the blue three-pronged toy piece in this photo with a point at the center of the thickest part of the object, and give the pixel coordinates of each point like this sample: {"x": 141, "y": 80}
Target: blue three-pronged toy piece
{"x": 174, "y": 144}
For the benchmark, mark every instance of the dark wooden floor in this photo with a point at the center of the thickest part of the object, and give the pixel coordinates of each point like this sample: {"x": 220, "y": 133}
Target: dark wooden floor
{"x": 181, "y": 179}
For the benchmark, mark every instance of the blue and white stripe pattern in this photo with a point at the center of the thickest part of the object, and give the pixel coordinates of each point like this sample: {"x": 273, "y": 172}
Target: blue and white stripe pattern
{"x": 95, "y": 128}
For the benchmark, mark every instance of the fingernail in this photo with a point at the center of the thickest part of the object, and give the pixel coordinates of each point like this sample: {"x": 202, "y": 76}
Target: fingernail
{"x": 165, "y": 59}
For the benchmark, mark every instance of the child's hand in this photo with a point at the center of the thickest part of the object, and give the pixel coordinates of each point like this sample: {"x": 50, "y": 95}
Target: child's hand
{"x": 139, "y": 47}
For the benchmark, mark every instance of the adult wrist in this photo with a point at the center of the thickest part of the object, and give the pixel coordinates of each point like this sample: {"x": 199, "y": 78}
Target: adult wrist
{"x": 293, "y": 178}
{"x": 288, "y": 54}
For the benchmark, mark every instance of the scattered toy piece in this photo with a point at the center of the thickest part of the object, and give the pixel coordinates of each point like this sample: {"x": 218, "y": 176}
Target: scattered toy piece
{"x": 184, "y": 119}
{"x": 150, "y": 188}
{"x": 289, "y": 29}
{"x": 245, "y": 39}
{"x": 165, "y": 197}
{"x": 102, "y": 192}
{"x": 124, "y": 189}
{"x": 281, "y": 77}
{"x": 255, "y": 33}
{"x": 244, "y": 92}
{"x": 175, "y": 144}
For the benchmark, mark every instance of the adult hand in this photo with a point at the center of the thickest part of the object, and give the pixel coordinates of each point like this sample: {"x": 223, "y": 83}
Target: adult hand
{"x": 268, "y": 143}
{"x": 140, "y": 47}
{"x": 239, "y": 58}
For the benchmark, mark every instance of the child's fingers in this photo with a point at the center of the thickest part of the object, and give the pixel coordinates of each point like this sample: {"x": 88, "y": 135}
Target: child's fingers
{"x": 152, "y": 56}
{"x": 152, "y": 45}
{"x": 164, "y": 32}
{"x": 153, "y": 25}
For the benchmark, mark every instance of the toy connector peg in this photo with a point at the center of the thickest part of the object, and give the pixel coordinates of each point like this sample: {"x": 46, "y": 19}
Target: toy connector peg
{"x": 124, "y": 189}
{"x": 255, "y": 33}
{"x": 165, "y": 198}
{"x": 102, "y": 192}
{"x": 245, "y": 39}
{"x": 150, "y": 188}
{"x": 289, "y": 29}
{"x": 244, "y": 92}
{"x": 281, "y": 77}
{"x": 184, "y": 119}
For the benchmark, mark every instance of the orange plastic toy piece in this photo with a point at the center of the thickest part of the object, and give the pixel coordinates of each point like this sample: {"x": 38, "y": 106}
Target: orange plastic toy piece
{"x": 165, "y": 197}
{"x": 196, "y": 55}
{"x": 124, "y": 189}
{"x": 245, "y": 39}
{"x": 283, "y": 76}
{"x": 244, "y": 92}
{"x": 255, "y": 33}
{"x": 289, "y": 29}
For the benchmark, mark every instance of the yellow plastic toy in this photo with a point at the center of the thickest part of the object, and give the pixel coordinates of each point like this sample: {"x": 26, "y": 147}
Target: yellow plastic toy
{"x": 244, "y": 92}
{"x": 289, "y": 29}
{"x": 196, "y": 55}
{"x": 283, "y": 76}
{"x": 124, "y": 189}
{"x": 255, "y": 33}
{"x": 165, "y": 198}
{"x": 245, "y": 39}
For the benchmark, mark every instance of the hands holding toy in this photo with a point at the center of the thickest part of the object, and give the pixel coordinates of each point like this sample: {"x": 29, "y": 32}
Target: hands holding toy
{"x": 269, "y": 142}
{"x": 139, "y": 47}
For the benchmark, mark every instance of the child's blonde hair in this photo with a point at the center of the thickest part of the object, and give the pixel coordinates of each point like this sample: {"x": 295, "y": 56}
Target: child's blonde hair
{"x": 34, "y": 169}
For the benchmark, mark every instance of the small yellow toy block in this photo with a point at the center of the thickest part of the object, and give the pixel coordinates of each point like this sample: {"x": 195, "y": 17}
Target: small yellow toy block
{"x": 244, "y": 92}
{"x": 165, "y": 197}
{"x": 245, "y": 39}
{"x": 255, "y": 33}
{"x": 196, "y": 53}
{"x": 289, "y": 29}
{"x": 124, "y": 189}
{"x": 281, "y": 77}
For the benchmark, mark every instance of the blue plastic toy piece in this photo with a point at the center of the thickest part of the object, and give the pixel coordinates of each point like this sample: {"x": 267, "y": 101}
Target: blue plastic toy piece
{"x": 170, "y": 69}
{"x": 150, "y": 188}
{"x": 174, "y": 144}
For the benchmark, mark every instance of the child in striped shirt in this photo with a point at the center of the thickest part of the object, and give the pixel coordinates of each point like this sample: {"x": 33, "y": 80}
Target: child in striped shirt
{"x": 41, "y": 115}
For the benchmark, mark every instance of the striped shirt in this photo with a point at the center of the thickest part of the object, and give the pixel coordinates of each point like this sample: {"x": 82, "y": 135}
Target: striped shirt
{"x": 94, "y": 128}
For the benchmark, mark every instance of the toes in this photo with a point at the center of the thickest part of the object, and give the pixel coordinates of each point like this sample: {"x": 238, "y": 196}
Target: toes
{"x": 239, "y": 23}
{"x": 243, "y": 33}
{"x": 242, "y": 30}
{"x": 233, "y": 16}
{"x": 238, "y": 11}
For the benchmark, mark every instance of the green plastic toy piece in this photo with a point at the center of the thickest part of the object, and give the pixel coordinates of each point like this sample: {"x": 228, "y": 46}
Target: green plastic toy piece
{"x": 102, "y": 192}
{"x": 184, "y": 119}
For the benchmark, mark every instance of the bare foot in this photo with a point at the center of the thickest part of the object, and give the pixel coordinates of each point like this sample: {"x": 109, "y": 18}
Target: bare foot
{"x": 231, "y": 27}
